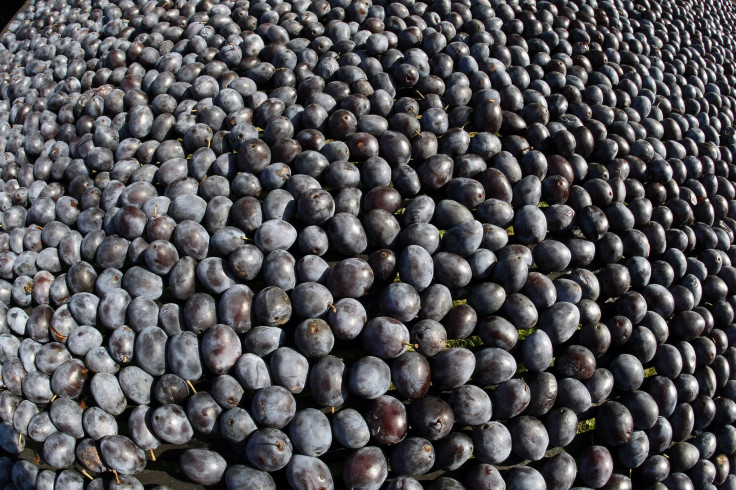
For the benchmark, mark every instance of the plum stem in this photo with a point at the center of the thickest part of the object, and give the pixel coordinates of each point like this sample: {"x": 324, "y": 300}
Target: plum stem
{"x": 191, "y": 387}
{"x": 56, "y": 334}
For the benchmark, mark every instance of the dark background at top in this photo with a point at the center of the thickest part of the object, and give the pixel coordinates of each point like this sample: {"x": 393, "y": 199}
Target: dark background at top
{"x": 8, "y": 9}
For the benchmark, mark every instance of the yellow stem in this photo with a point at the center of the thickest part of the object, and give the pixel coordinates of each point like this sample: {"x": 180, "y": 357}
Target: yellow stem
{"x": 191, "y": 387}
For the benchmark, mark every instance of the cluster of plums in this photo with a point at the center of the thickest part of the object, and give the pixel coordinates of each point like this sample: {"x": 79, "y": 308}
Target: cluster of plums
{"x": 440, "y": 244}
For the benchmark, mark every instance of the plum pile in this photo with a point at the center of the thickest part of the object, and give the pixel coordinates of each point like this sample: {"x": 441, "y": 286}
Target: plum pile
{"x": 452, "y": 244}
